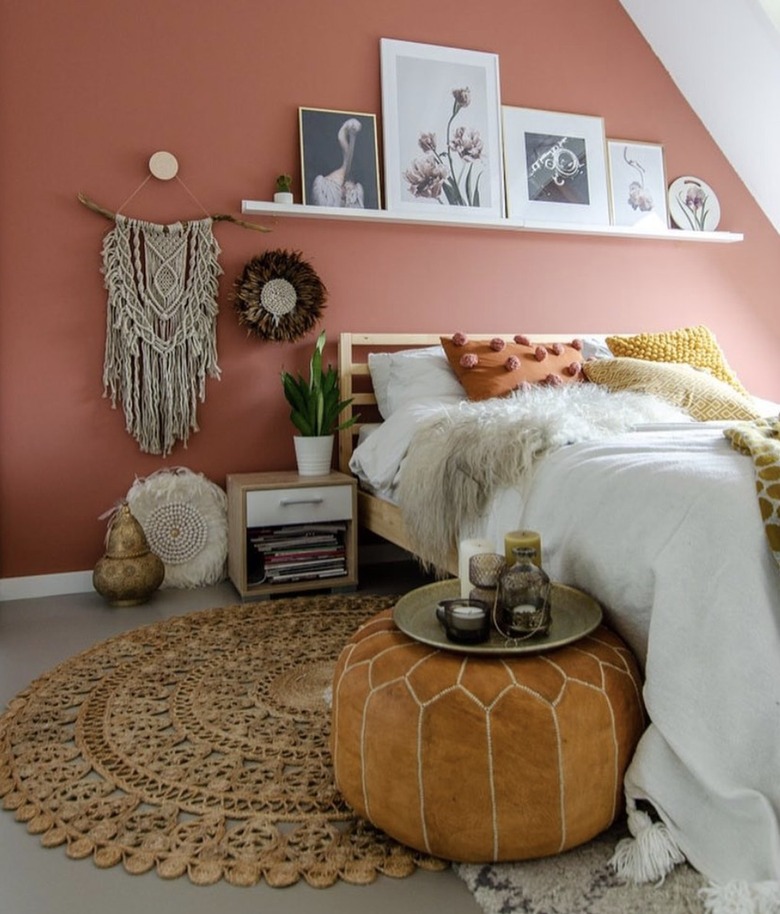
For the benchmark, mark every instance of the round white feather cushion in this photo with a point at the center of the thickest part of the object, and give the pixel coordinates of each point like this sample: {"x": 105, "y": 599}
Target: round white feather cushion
{"x": 184, "y": 517}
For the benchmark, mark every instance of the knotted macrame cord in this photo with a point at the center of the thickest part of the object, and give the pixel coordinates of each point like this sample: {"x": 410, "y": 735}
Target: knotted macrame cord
{"x": 161, "y": 326}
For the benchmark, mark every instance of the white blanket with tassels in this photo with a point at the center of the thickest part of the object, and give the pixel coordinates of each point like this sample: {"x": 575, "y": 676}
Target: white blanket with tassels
{"x": 663, "y": 528}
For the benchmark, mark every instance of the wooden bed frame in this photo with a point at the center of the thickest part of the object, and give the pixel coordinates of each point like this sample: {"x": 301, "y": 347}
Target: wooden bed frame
{"x": 376, "y": 514}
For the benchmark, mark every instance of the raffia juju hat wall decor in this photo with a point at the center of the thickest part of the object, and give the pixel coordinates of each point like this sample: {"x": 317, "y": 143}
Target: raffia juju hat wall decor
{"x": 278, "y": 296}
{"x": 129, "y": 572}
{"x": 184, "y": 517}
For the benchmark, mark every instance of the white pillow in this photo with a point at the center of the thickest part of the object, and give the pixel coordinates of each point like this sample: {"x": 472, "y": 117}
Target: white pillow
{"x": 595, "y": 347}
{"x": 426, "y": 376}
{"x": 409, "y": 375}
{"x": 376, "y": 460}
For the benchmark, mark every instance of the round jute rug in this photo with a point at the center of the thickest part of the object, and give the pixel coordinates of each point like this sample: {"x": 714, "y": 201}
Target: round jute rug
{"x": 199, "y": 745}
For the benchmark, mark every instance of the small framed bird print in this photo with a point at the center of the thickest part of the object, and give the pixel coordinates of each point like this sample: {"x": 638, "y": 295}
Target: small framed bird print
{"x": 339, "y": 159}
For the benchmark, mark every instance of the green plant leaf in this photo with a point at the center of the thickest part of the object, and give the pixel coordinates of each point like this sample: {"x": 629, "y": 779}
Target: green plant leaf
{"x": 315, "y": 404}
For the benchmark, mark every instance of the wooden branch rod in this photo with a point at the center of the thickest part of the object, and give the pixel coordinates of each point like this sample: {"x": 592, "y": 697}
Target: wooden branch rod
{"x": 220, "y": 217}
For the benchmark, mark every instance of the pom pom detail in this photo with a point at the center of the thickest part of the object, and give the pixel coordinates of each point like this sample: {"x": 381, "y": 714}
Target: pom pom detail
{"x": 469, "y": 360}
{"x": 459, "y": 339}
{"x": 573, "y": 369}
{"x": 522, "y": 340}
{"x": 497, "y": 344}
{"x": 576, "y": 344}
{"x": 556, "y": 349}
{"x": 553, "y": 380}
{"x": 512, "y": 363}
{"x": 540, "y": 353}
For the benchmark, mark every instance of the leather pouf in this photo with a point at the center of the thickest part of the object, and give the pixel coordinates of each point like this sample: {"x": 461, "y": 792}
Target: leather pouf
{"x": 480, "y": 759}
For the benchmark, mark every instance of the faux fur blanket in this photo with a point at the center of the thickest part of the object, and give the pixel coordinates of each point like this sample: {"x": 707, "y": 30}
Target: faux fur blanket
{"x": 456, "y": 463}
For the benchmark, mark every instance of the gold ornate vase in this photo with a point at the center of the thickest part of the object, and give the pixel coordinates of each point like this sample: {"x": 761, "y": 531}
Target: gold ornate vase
{"x": 129, "y": 572}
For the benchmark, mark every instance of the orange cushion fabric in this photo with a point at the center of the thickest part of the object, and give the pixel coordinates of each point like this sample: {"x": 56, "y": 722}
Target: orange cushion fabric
{"x": 494, "y": 368}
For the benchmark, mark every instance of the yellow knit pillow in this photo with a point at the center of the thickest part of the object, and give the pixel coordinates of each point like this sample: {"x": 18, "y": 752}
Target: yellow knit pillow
{"x": 703, "y": 397}
{"x": 695, "y": 346}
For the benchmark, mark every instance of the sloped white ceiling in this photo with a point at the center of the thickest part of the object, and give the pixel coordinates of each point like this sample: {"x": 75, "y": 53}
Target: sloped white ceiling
{"x": 724, "y": 56}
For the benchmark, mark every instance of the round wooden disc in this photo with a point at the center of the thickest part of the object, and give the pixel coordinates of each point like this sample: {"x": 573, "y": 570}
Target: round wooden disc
{"x": 163, "y": 165}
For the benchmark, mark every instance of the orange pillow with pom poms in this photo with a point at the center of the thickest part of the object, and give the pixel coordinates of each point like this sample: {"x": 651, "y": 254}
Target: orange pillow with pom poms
{"x": 495, "y": 367}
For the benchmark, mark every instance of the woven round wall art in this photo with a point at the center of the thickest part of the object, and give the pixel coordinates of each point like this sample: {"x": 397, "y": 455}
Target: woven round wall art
{"x": 278, "y": 296}
{"x": 184, "y": 517}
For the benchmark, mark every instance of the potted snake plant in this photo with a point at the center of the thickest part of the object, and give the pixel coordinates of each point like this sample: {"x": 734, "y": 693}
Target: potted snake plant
{"x": 314, "y": 410}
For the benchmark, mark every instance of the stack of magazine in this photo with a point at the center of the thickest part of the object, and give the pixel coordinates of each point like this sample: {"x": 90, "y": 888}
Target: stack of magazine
{"x": 305, "y": 552}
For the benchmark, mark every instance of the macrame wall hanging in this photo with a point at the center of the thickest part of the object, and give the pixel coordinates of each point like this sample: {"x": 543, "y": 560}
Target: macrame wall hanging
{"x": 278, "y": 296}
{"x": 161, "y": 342}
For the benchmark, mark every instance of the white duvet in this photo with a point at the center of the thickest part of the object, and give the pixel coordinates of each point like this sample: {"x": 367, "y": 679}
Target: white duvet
{"x": 662, "y": 526}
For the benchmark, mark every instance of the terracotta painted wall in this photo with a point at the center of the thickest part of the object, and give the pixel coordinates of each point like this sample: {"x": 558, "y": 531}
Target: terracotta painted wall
{"x": 90, "y": 88}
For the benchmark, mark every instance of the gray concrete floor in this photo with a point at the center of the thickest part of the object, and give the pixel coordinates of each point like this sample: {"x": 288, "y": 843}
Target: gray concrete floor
{"x": 37, "y": 634}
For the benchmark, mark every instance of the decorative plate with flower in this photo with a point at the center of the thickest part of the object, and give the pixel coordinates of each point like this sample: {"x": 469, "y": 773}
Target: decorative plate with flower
{"x": 693, "y": 204}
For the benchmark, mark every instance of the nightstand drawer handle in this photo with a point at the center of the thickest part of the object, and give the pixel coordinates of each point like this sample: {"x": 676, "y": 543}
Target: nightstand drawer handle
{"x": 285, "y": 502}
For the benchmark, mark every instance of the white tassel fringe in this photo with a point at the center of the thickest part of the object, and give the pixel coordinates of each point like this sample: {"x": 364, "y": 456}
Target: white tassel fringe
{"x": 739, "y": 897}
{"x": 650, "y": 855}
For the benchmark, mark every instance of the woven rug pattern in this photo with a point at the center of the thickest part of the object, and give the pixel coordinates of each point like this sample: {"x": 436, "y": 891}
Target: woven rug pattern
{"x": 199, "y": 746}
{"x": 579, "y": 881}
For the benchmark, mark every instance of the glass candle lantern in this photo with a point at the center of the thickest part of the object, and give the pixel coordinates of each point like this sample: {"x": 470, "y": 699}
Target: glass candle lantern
{"x": 523, "y": 606}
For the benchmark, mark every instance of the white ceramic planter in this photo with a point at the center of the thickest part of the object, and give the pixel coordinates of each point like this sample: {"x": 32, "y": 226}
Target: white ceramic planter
{"x": 283, "y": 197}
{"x": 314, "y": 454}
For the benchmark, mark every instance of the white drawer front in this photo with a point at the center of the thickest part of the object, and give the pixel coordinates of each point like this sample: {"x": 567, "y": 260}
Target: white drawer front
{"x": 304, "y": 505}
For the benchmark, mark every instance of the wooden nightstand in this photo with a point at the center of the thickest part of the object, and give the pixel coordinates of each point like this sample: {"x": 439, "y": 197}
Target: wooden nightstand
{"x": 290, "y": 533}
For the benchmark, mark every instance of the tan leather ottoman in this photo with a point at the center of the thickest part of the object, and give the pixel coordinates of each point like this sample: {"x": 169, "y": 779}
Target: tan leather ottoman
{"x": 481, "y": 759}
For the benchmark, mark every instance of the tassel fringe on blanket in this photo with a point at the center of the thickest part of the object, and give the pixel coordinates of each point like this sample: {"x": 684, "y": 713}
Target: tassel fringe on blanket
{"x": 652, "y": 853}
{"x": 160, "y": 326}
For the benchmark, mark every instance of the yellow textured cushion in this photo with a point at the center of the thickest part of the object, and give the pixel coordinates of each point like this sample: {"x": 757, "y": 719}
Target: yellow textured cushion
{"x": 697, "y": 392}
{"x": 494, "y": 368}
{"x": 695, "y": 346}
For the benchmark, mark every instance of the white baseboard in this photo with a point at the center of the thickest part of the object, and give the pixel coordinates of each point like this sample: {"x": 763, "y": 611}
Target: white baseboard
{"x": 45, "y": 585}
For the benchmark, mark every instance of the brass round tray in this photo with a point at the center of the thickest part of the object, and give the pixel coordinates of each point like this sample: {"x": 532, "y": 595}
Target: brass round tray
{"x": 574, "y": 615}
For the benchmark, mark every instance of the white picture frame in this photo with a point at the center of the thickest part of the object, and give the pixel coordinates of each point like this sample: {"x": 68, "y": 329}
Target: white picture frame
{"x": 556, "y": 167}
{"x": 637, "y": 184}
{"x": 441, "y": 120}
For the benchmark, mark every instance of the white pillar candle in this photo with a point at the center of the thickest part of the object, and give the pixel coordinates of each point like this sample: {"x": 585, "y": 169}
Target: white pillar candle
{"x": 467, "y": 548}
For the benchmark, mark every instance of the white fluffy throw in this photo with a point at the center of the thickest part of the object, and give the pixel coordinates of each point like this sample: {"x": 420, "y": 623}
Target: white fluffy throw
{"x": 456, "y": 463}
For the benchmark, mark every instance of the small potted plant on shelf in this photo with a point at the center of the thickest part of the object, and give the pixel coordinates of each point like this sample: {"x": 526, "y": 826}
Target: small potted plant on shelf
{"x": 314, "y": 410}
{"x": 283, "y": 189}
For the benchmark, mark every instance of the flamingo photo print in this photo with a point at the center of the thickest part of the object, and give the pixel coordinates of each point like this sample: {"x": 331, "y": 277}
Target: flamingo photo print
{"x": 339, "y": 158}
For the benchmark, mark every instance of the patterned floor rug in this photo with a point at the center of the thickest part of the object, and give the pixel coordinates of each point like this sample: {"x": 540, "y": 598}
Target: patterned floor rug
{"x": 579, "y": 881}
{"x": 199, "y": 746}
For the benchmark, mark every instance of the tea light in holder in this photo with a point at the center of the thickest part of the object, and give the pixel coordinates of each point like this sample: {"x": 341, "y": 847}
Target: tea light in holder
{"x": 523, "y": 539}
{"x": 466, "y": 549}
{"x": 465, "y": 621}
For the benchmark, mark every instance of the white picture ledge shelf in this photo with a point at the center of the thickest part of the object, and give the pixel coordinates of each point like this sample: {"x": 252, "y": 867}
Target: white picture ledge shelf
{"x": 462, "y": 220}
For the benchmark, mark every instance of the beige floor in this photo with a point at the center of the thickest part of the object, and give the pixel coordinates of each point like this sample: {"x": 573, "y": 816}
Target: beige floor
{"x": 37, "y": 634}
